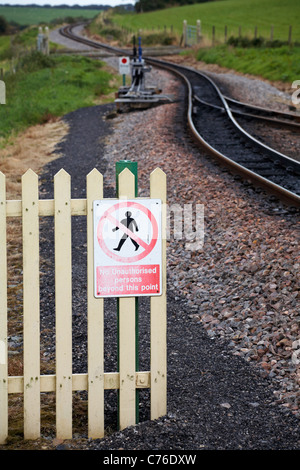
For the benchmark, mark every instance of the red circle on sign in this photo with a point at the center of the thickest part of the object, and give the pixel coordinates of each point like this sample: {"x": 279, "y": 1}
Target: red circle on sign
{"x": 146, "y": 251}
{"x": 124, "y": 61}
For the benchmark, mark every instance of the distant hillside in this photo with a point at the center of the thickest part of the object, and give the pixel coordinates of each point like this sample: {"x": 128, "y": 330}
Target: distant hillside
{"x": 29, "y": 15}
{"x": 64, "y": 6}
{"x": 235, "y": 14}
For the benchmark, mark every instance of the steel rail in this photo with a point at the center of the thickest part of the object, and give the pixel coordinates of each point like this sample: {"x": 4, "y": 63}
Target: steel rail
{"x": 286, "y": 195}
{"x": 66, "y": 31}
{"x": 281, "y": 117}
{"x": 281, "y": 192}
{"x": 251, "y": 115}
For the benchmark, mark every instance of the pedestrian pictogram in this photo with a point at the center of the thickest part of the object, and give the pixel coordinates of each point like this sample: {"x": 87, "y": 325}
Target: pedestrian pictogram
{"x": 129, "y": 223}
{"x": 127, "y": 247}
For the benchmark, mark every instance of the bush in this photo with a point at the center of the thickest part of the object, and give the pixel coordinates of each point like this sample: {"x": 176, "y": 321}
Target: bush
{"x": 158, "y": 38}
{"x": 244, "y": 42}
{"x": 3, "y": 25}
{"x": 36, "y": 61}
{"x": 111, "y": 32}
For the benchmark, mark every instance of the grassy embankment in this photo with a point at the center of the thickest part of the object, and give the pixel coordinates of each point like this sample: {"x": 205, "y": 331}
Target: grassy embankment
{"x": 47, "y": 87}
{"x": 108, "y": 30}
{"x": 273, "y": 63}
{"x": 39, "y": 88}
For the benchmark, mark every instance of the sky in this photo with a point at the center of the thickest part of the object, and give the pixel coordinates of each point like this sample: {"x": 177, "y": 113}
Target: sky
{"x": 112, "y": 3}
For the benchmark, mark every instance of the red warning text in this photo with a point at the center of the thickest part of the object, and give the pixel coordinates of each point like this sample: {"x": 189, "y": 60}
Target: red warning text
{"x": 128, "y": 280}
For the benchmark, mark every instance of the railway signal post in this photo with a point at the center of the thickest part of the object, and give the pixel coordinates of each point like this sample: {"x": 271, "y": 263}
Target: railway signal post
{"x": 137, "y": 95}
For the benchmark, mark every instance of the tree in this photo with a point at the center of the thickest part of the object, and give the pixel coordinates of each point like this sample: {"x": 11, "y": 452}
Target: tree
{"x": 148, "y": 5}
{"x": 3, "y": 25}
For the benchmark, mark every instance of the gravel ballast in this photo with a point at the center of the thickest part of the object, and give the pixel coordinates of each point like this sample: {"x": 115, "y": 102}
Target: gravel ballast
{"x": 233, "y": 304}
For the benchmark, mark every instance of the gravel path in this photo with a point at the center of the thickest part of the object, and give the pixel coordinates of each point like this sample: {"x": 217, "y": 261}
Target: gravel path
{"x": 233, "y": 305}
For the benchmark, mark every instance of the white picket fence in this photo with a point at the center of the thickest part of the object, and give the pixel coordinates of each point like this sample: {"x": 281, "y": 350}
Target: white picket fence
{"x": 127, "y": 380}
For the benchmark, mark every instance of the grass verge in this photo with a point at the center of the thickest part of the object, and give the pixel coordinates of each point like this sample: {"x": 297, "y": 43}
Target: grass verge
{"x": 275, "y": 64}
{"x": 47, "y": 87}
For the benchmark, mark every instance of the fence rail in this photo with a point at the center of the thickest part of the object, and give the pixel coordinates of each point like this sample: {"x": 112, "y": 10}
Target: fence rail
{"x": 30, "y": 208}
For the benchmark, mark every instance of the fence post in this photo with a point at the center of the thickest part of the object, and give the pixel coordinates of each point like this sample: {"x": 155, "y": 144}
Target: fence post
{"x": 31, "y": 307}
{"x": 158, "y": 375}
{"x": 127, "y": 331}
{"x": 95, "y": 320}
{"x": 3, "y": 316}
{"x": 39, "y": 39}
{"x": 290, "y": 35}
{"x": 198, "y": 31}
{"x": 133, "y": 167}
{"x": 184, "y": 34}
{"x": 46, "y": 48}
{"x": 63, "y": 302}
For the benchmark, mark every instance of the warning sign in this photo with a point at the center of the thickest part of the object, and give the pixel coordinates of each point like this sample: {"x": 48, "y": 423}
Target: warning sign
{"x": 127, "y": 247}
{"x": 124, "y": 65}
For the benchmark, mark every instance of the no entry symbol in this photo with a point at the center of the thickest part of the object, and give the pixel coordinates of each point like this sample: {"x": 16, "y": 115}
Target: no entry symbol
{"x": 127, "y": 247}
{"x": 138, "y": 229}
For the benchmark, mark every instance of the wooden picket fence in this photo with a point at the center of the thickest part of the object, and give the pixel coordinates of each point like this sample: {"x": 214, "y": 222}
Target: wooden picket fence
{"x": 127, "y": 380}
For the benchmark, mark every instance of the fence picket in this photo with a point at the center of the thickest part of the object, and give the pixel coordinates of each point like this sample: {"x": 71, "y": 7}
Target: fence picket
{"x": 3, "y": 316}
{"x": 127, "y": 413}
{"x": 158, "y": 373}
{"x": 31, "y": 302}
{"x": 95, "y": 320}
{"x": 63, "y": 303}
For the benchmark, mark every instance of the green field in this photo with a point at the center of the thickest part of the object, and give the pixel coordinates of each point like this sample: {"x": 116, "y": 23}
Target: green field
{"x": 26, "y": 16}
{"x": 274, "y": 60}
{"x": 231, "y": 13}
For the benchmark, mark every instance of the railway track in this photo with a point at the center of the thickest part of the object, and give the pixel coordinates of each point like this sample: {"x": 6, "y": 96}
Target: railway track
{"x": 256, "y": 112}
{"x": 211, "y": 120}
{"x": 248, "y": 111}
